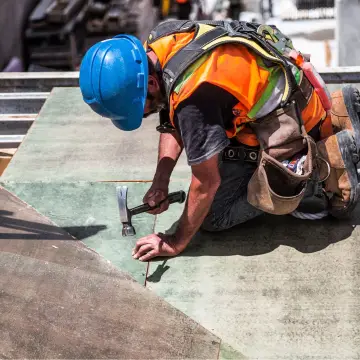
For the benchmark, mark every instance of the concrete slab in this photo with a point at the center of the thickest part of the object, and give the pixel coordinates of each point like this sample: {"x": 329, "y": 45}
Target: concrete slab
{"x": 273, "y": 288}
{"x": 89, "y": 212}
{"x": 25, "y": 232}
{"x": 228, "y": 353}
{"x": 61, "y": 300}
{"x": 69, "y": 142}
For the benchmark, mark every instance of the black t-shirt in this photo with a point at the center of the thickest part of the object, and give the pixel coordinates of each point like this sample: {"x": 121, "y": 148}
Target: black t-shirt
{"x": 201, "y": 121}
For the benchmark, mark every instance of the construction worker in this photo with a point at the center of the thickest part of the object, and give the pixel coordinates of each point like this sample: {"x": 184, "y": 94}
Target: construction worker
{"x": 252, "y": 114}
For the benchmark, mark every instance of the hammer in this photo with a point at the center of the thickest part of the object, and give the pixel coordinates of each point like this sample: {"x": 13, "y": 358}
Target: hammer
{"x": 126, "y": 214}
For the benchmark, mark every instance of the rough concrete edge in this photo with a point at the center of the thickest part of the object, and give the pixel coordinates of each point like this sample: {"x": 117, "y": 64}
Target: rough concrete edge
{"x": 116, "y": 269}
{"x": 3, "y": 184}
{"x": 76, "y": 241}
{"x": 226, "y": 352}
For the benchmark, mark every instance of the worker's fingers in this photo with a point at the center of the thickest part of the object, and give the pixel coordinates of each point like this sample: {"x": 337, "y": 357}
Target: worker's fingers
{"x": 156, "y": 198}
{"x": 144, "y": 249}
{"x": 164, "y": 206}
{"x": 148, "y": 195}
{"x": 155, "y": 211}
{"x": 141, "y": 242}
{"x": 151, "y": 254}
{"x": 151, "y": 198}
{"x": 158, "y": 210}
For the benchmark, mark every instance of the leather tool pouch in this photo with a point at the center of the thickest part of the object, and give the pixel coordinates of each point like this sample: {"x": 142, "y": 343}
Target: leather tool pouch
{"x": 273, "y": 188}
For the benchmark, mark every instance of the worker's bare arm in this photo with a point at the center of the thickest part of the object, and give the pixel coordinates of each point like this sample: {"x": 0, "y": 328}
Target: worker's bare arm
{"x": 204, "y": 184}
{"x": 170, "y": 148}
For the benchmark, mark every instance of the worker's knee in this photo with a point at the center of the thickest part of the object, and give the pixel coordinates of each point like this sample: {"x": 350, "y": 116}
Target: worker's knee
{"x": 233, "y": 216}
{"x": 210, "y": 225}
{"x": 220, "y": 224}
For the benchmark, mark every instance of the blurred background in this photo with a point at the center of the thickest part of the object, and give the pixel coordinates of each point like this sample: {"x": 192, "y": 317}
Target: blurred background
{"x": 53, "y": 35}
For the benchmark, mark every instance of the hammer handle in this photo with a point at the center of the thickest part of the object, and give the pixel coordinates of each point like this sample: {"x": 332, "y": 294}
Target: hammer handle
{"x": 175, "y": 197}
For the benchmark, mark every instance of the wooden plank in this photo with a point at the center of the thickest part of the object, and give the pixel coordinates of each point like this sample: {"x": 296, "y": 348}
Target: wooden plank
{"x": 4, "y": 162}
{"x": 10, "y": 141}
{"x": 22, "y": 102}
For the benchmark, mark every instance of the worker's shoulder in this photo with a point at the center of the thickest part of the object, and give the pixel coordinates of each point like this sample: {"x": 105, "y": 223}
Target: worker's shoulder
{"x": 237, "y": 50}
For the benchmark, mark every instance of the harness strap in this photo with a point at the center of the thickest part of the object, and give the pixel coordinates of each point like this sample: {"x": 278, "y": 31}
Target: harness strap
{"x": 174, "y": 68}
{"x": 170, "y": 27}
{"x": 302, "y": 94}
{"x": 210, "y": 34}
{"x": 240, "y": 153}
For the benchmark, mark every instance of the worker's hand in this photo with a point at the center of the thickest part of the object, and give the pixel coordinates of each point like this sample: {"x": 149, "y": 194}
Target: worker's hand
{"x": 155, "y": 245}
{"x": 155, "y": 195}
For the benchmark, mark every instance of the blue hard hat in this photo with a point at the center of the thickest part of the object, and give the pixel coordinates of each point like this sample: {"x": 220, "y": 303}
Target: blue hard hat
{"x": 113, "y": 80}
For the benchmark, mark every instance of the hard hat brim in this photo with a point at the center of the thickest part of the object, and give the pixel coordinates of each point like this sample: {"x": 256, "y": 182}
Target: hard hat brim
{"x": 133, "y": 120}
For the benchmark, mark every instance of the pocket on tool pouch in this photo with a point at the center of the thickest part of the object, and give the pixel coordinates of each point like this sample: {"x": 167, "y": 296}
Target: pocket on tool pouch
{"x": 274, "y": 188}
{"x": 281, "y": 133}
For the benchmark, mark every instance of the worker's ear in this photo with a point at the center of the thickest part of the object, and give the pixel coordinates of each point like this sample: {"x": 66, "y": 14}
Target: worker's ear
{"x": 153, "y": 85}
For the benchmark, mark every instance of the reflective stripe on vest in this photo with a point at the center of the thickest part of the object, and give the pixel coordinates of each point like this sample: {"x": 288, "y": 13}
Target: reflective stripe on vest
{"x": 270, "y": 99}
{"x": 272, "y": 95}
{"x": 260, "y": 51}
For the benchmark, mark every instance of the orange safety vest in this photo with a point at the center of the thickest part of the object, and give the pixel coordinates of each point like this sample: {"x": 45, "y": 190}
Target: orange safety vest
{"x": 236, "y": 69}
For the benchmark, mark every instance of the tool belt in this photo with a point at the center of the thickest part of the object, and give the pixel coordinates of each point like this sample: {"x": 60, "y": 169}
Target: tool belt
{"x": 240, "y": 153}
{"x": 274, "y": 188}
{"x": 251, "y": 154}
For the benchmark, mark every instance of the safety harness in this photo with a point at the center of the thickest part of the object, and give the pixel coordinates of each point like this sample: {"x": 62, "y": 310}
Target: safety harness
{"x": 266, "y": 41}
{"x": 281, "y": 134}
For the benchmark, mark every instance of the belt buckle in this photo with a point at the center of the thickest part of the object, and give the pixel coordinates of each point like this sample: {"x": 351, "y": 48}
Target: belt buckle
{"x": 239, "y": 153}
{"x": 232, "y": 153}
